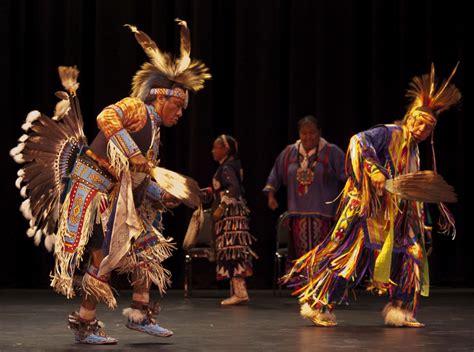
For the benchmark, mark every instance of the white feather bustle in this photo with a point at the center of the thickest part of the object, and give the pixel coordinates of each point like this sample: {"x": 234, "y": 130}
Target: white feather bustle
{"x": 61, "y": 109}
{"x": 17, "y": 150}
{"x": 23, "y": 138}
{"x": 19, "y": 159}
{"x": 30, "y": 118}
{"x": 31, "y": 231}
{"x": 26, "y": 126}
{"x": 49, "y": 242}
{"x": 38, "y": 237}
{"x": 26, "y": 209}
{"x": 18, "y": 182}
{"x": 23, "y": 191}
{"x": 33, "y": 116}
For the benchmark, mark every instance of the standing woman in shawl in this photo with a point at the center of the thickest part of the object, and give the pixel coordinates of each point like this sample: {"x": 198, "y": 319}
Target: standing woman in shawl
{"x": 231, "y": 216}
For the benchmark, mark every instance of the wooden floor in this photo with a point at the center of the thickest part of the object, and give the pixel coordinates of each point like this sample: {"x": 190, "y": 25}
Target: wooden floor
{"x": 36, "y": 320}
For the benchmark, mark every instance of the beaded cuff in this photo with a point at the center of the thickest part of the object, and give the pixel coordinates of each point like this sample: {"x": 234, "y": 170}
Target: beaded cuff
{"x": 123, "y": 141}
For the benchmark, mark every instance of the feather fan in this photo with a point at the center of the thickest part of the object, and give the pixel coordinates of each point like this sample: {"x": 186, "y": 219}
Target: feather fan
{"x": 422, "y": 186}
{"x": 181, "y": 187}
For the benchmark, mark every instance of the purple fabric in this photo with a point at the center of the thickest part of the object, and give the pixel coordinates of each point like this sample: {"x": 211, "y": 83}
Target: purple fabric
{"x": 329, "y": 176}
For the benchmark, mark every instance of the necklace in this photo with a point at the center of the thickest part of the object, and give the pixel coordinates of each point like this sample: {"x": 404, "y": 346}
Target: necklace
{"x": 305, "y": 173}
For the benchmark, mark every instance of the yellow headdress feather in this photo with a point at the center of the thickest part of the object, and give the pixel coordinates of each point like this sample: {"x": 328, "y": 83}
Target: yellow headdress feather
{"x": 426, "y": 95}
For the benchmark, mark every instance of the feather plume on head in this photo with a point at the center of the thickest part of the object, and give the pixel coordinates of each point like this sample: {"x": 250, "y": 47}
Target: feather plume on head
{"x": 430, "y": 98}
{"x": 175, "y": 75}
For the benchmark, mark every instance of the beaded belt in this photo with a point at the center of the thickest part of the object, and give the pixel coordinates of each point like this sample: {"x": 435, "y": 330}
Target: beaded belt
{"x": 87, "y": 171}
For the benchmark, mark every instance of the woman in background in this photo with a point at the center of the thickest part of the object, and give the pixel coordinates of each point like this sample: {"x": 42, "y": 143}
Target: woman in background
{"x": 231, "y": 216}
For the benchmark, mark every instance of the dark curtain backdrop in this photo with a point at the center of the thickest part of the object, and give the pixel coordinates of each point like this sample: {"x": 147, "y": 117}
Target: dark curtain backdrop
{"x": 273, "y": 61}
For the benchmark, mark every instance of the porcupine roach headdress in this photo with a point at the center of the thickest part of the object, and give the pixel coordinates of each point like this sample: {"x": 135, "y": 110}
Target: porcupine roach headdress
{"x": 431, "y": 99}
{"x": 428, "y": 97}
{"x": 47, "y": 151}
{"x": 164, "y": 73}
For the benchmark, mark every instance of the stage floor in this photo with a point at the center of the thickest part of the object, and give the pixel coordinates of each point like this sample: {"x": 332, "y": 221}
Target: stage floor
{"x": 37, "y": 320}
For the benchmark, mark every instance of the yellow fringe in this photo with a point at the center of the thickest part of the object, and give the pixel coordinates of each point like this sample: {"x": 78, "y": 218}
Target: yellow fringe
{"x": 99, "y": 290}
{"x": 316, "y": 289}
{"x": 369, "y": 202}
{"x": 349, "y": 260}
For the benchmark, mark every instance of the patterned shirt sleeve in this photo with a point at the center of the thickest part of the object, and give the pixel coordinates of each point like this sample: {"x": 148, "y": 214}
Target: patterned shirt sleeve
{"x": 128, "y": 114}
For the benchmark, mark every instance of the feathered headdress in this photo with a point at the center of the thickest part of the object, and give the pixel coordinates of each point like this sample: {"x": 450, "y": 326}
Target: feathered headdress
{"x": 165, "y": 71}
{"x": 427, "y": 96}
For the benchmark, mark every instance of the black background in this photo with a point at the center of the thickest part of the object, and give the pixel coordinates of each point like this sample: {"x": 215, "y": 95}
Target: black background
{"x": 273, "y": 61}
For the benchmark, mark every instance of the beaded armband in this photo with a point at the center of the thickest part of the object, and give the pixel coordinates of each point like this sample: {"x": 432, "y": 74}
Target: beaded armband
{"x": 123, "y": 141}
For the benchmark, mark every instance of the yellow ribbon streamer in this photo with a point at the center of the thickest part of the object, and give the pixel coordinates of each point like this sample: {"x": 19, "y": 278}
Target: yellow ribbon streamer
{"x": 383, "y": 263}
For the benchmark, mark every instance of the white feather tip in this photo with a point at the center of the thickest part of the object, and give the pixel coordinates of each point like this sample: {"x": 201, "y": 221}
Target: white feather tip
{"x": 17, "y": 150}
{"x": 32, "y": 116}
{"x": 38, "y": 237}
{"x": 19, "y": 159}
{"x": 31, "y": 231}
{"x": 26, "y": 209}
{"x": 133, "y": 28}
{"x": 18, "y": 182}
{"x": 181, "y": 22}
{"x": 49, "y": 242}
{"x": 23, "y": 192}
{"x": 23, "y": 138}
